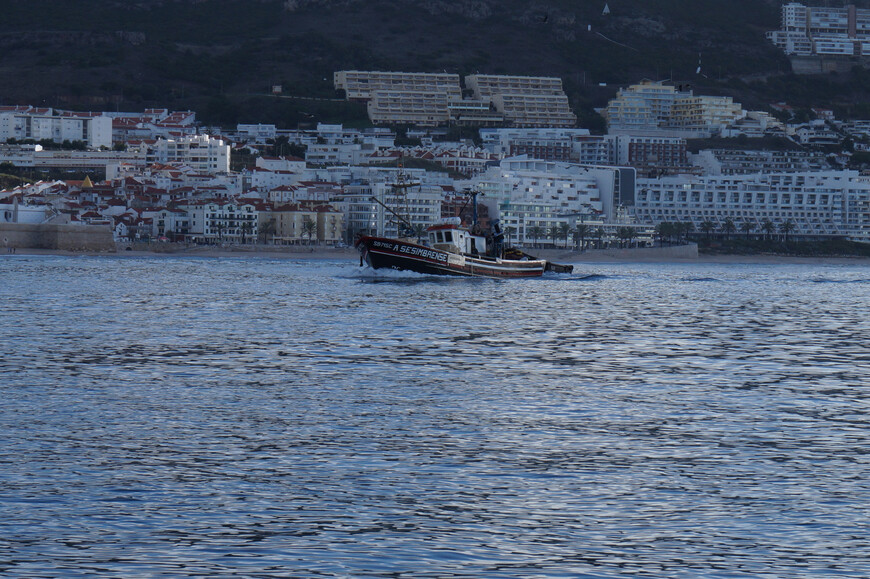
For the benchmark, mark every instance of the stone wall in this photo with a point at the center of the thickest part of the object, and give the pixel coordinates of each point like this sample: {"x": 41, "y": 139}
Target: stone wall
{"x": 56, "y": 236}
{"x": 825, "y": 64}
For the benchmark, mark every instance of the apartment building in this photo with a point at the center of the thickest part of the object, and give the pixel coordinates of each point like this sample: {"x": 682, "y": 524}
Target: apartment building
{"x": 704, "y": 113}
{"x": 535, "y": 110}
{"x": 642, "y": 107}
{"x": 819, "y": 204}
{"x": 524, "y": 101}
{"x": 433, "y": 99}
{"x": 654, "y": 108}
{"x": 474, "y": 112}
{"x": 488, "y": 85}
{"x": 823, "y": 30}
{"x": 592, "y": 149}
{"x": 37, "y": 157}
{"x": 401, "y": 97}
{"x": 202, "y": 153}
{"x": 20, "y": 123}
{"x": 529, "y": 193}
{"x": 739, "y": 162}
{"x": 420, "y": 205}
{"x": 421, "y": 108}
{"x": 307, "y": 222}
{"x": 361, "y": 85}
{"x": 658, "y": 154}
{"x": 225, "y": 220}
{"x": 549, "y": 144}
{"x": 754, "y": 124}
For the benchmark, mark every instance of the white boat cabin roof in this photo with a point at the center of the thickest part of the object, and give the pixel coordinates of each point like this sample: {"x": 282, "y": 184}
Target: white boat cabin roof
{"x": 451, "y": 236}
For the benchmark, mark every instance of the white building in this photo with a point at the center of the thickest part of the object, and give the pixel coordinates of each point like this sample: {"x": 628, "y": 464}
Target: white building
{"x": 524, "y": 101}
{"x": 256, "y": 133}
{"x": 815, "y": 30}
{"x": 641, "y": 108}
{"x": 224, "y": 221}
{"x": 525, "y": 193}
{"x": 93, "y": 129}
{"x": 420, "y": 205}
{"x": 739, "y": 162}
{"x": 361, "y": 85}
{"x": 16, "y": 212}
{"x": 829, "y": 203}
{"x": 654, "y": 108}
{"x": 201, "y": 152}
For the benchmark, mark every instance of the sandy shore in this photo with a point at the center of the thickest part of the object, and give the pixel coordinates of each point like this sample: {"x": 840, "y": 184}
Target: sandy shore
{"x": 262, "y": 252}
{"x": 351, "y": 255}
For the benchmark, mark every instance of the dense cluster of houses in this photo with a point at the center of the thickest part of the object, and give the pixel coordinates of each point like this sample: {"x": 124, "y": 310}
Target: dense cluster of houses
{"x": 168, "y": 178}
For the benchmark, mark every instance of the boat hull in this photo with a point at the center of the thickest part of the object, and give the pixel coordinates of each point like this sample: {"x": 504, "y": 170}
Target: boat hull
{"x": 385, "y": 253}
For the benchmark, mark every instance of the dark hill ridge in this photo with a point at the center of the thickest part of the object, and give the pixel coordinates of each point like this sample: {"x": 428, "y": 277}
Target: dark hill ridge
{"x": 217, "y": 56}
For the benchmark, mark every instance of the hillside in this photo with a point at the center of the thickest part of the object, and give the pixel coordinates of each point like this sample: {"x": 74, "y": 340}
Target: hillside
{"x": 219, "y": 57}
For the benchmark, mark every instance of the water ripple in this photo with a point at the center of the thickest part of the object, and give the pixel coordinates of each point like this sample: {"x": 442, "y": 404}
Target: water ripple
{"x": 191, "y": 417}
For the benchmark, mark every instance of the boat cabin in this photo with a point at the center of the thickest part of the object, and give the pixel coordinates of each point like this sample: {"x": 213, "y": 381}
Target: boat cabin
{"x": 450, "y": 236}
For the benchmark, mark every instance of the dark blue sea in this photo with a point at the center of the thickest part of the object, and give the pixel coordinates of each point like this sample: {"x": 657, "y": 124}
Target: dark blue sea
{"x": 183, "y": 417}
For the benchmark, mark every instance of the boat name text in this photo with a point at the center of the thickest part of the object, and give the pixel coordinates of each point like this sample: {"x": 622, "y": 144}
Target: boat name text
{"x": 412, "y": 250}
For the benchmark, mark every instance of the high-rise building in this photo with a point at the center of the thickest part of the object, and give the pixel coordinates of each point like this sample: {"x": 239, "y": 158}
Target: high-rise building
{"x": 824, "y": 31}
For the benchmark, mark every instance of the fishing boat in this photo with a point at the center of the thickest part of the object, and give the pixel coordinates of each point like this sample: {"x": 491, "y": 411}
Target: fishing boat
{"x": 450, "y": 248}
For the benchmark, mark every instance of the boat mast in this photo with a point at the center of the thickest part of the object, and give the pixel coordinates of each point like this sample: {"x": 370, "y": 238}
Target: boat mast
{"x": 401, "y": 202}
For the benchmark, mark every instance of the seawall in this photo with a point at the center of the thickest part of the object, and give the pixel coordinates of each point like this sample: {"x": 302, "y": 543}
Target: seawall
{"x": 56, "y": 236}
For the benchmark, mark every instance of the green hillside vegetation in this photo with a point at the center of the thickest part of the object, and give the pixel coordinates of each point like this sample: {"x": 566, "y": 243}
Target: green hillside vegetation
{"x": 10, "y": 181}
{"x": 220, "y": 57}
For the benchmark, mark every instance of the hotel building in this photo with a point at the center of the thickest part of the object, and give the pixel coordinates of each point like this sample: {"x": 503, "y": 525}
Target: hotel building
{"x": 526, "y": 193}
{"x": 819, "y": 204}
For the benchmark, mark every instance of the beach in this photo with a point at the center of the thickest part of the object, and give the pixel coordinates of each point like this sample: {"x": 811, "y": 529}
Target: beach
{"x": 639, "y": 255}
